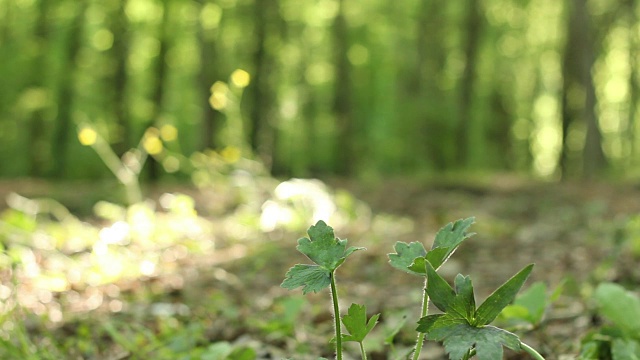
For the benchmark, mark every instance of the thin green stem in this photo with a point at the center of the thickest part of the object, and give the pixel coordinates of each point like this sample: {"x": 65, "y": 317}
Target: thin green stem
{"x": 536, "y": 355}
{"x": 336, "y": 315}
{"x": 468, "y": 355}
{"x": 364, "y": 353}
{"x": 124, "y": 174}
{"x": 423, "y": 313}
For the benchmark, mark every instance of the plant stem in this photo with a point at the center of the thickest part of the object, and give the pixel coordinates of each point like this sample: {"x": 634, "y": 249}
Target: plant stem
{"x": 336, "y": 315}
{"x": 364, "y": 353}
{"x": 471, "y": 353}
{"x": 423, "y": 313}
{"x": 531, "y": 351}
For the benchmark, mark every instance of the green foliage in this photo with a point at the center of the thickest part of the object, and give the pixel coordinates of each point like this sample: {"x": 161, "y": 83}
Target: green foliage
{"x": 412, "y": 257}
{"x": 462, "y": 327}
{"x": 323, "y": 248}
{"x": 620, "y": 338}
{"x": 459, "y": 339}
{"x": 328, "y": 252}
{"x": 529, "y": 306}
{"x": 405, "y": 256}
{"x": 356, "y": 323}
{"x": 312, "y": 278}
{"x": 619, "y": 306}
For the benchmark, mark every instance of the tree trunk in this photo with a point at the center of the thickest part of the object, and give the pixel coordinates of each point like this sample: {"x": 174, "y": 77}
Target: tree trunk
{"x": 153, "y": 168}
{"x": 633, "y": 81}
{"x": 430, "y": 62}
{"x": 36, "y": 147}
{"x": 578, "y": 94}
{"x": 209, "y": 73}
{"x": 473, "y": 29}
{"x": 261, "y": 92}
{"x": 120, "y": 51}
{"x": 59, "y": 146}
{"x": 345, "y": 150}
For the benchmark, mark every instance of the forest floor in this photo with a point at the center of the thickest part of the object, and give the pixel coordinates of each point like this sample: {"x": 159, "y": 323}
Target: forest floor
{"x": 573, "y": 232}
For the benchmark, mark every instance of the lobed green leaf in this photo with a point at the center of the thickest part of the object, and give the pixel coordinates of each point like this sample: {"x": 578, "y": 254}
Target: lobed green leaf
{"x": 459, "y": 339}
{"x": 356, "y": 323}
{"x": 309, "y": 277}
{"x": 406, "y": 255}
{"x": 323, "y": 248}
{"x": 448, "y": 238}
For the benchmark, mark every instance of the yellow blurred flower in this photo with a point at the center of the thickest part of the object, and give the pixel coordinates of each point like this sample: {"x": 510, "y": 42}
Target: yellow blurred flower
{"x": 152, "y": 145}
{"x": 87, "y": 136}
{"x": 240, "y": 78}
{"x": 231, "y": 154}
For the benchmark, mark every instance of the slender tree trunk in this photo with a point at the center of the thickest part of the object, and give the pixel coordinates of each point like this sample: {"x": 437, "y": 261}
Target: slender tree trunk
{"x": 261, "y": 91}
{"x": 120, "y": 51}
{"x": 59, "y": 146}
{"x": 634, "y": 92}
{"x": 345, "y": 150}
{"x": 567, "y": 121}
{"x": 160, "y": 71}
{"x": 579, "y": 97}
{"x": 36, "y": 147}
{"x": 499, "y": 130}
{"x": 473, "y": 29}
{"x": 209, "y": 73}
{"x": 430, "y": 62}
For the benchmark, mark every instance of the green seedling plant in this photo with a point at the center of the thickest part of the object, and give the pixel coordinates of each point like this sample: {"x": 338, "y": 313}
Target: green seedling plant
{"x": 328, "y": 253}
{"x": 413, "y": 257}
{"x": 463, "y": 328}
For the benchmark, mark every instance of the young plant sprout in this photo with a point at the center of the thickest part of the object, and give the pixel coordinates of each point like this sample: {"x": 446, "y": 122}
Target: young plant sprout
{"x": 463, "y": 328}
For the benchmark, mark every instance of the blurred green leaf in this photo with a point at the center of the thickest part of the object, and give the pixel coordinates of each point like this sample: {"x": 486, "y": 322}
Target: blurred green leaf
{"x": 625, "y": 349}
{"x": 620, "y": 307}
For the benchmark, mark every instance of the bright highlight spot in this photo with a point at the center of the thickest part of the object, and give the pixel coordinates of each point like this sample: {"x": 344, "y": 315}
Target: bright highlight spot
{"x": 240, "y": 78}
{"x": 152, "y": 145}
{"x": 87, "y": 136}
{"x": 102, "y": 40}
{"x": 218, "y": 99}
{"x": 117, "y": 233}
{"x": 168, "y": 132}
{"x": 147, "y": 268}
{"x": 210, "y": 16}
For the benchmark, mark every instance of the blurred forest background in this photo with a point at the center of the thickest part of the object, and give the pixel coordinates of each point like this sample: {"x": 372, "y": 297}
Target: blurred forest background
{"x": 412, "y": 111}
{"x": 539, "y": 87}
